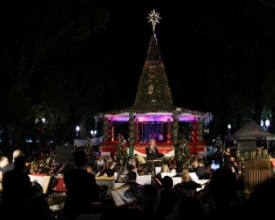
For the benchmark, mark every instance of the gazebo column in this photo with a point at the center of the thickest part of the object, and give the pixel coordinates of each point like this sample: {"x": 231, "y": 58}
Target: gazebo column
{"x": 112, "y": 133}
{"x": 194, "y": 137}
{"x": 110, "y": 125}
{"x": 200, "y": 129}
{"x": 131, "y": 133}
{"x": 168, "y": 131}
{"x": 175, "y": 129}
{"x": 137, "y": 133}
{"x": 105, "y": 129}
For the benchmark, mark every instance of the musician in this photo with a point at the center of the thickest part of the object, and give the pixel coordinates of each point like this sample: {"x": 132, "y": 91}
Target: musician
{"x": 140, "y": 161}
{"x": 152, "y": 151}
{"x": 226, "y": 158}
{"x": 172, "y": 163}
{"x": 134, "y": 186}
{"x": 82, "y": 188}
{"x": 187, "y": 187}
{"x": 200, "y": 169}
{"x": 90, "y": 169}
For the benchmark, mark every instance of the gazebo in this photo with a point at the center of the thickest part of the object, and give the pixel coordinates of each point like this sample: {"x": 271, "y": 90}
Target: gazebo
{"x": 153, "y": 114}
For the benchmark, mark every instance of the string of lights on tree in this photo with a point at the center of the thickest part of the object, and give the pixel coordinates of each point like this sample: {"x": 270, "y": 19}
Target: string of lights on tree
{"x": 153, "y": 84}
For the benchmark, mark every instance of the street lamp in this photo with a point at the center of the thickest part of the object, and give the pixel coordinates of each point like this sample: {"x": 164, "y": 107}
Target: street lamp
{"x": 77, "y": 128}
{"x": 229, "y": 126}
{"x": 267, "y": 123}
{"x": 43, "y": 120}
{"x": 93, "y": 133}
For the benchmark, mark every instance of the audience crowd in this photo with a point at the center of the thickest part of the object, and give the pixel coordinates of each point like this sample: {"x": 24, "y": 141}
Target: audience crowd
{"x": 219, "y": 198}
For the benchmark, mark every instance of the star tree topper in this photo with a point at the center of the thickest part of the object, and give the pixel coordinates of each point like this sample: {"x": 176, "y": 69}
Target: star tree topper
{"x": 154, "y": 18}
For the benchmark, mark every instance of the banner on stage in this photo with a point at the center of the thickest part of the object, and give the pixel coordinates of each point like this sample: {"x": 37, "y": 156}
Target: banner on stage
{"x": 168, "y": 152}
{"x": 83, "y": 142}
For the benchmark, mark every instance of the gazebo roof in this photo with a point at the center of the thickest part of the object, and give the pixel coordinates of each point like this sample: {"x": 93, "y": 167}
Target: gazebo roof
{"x": 155, "y": 112}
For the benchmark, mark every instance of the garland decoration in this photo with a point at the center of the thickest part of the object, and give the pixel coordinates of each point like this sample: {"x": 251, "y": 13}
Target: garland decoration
{"x": 175, "y": 129}
{"x": 137, "y": 133}
{"x": 105, "y": 129}
{"x": 194, "y": 137}
{"x": 200, "y": 130}
{"x": 168, "y": 131}
{"x": 131, "y": 132}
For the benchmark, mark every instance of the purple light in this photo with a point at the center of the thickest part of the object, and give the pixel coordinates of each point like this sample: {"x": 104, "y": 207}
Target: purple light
{"x": 153, "y": 117}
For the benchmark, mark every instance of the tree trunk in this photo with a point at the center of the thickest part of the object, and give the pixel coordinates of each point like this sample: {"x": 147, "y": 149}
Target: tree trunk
{"x": 83, "y": 129}
{"x": 17, "y": 135}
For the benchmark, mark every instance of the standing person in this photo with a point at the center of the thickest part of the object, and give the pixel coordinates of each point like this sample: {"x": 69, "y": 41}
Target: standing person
{"x": 172, "y": 163}
{"x": 82, "y": 188}
{"x": 226, "y": 159}
{"x": 17, "y": 187}
{"x": 152, "y": 151}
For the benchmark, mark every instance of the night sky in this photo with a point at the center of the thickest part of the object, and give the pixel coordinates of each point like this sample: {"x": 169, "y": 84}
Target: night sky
{"x": 184, "y": 51}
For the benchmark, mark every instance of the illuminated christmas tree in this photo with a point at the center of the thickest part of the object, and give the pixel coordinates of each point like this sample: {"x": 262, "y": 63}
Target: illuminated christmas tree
{"x": 121, "y": 154}
{"x": 153, "y": 83}
{"x": 184, "y": 156}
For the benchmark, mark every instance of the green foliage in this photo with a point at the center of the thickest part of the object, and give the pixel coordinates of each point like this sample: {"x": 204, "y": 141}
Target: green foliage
{"x": 42, "y": 27}
{"x": 153, "y": 84}
{"x": 120, "y": 152}
{"x": 33, "y": 34}
{"x": 184, "y": 156}
{"x": 53, "y": 116}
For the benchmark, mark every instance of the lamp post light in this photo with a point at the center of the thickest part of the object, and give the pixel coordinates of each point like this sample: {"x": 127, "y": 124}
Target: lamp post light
{"x": 262, "y": 123}
{"x": 229, "y": 129}
{"x": 77, "y": 128}
{"x": 93, "y": 133}
{"x": 267, "y": 123}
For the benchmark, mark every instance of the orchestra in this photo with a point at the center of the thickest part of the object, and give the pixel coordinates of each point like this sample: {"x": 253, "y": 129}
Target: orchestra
{"x": 111, "y": 168}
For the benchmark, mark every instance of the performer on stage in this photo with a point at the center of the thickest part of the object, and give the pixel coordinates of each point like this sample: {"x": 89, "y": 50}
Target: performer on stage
{"x": 152, "y": 151}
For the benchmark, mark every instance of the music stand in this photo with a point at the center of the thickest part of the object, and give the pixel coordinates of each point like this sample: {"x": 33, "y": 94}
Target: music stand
{"x": 153, "y": 162}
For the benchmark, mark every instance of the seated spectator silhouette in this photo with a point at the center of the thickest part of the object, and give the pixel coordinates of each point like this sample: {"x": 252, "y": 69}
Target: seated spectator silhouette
{"x": 10, "y": 166}
{"x": 17, "y": 187}
{"x": 35, "y": 208}
{"x": 134, "y": 186}
{"x": 200, "y": 170}
{"x": 3, "y": 162}
{"x": 223, "y": 191}
{"x": 168, "y": 197}
{"x": 261, "y": 202}
{"x": 110, "y": 169}
{"x": 189, "y": 208}
{"x": 187, "y": 187}
{"x": 121, "y": 213}
{"x": 82, "y": 188}
{"x": 149, "y": 197}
